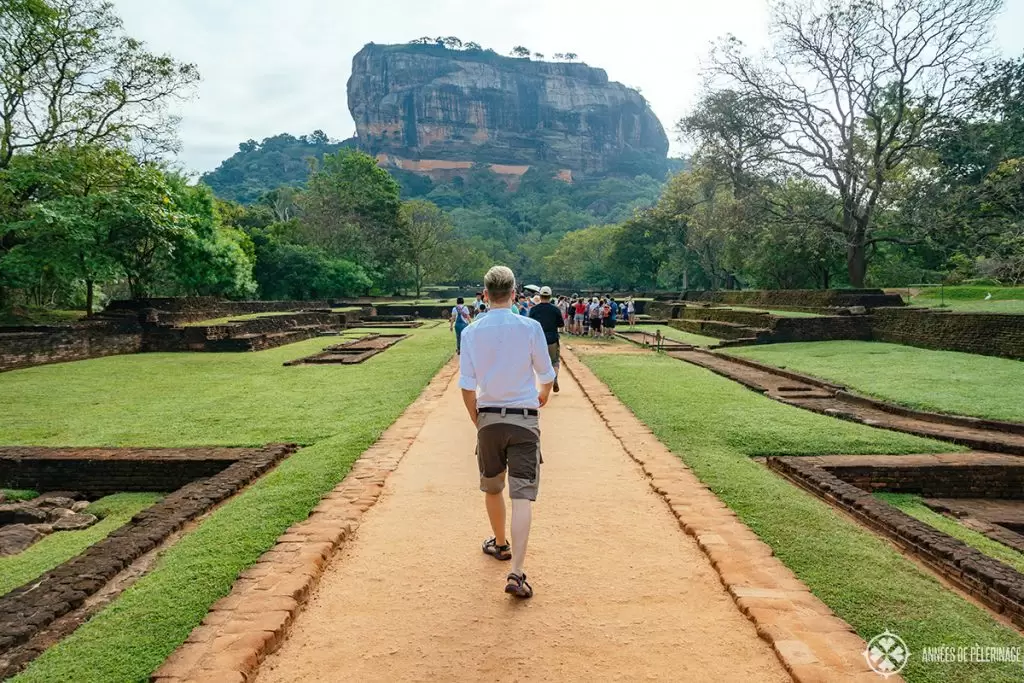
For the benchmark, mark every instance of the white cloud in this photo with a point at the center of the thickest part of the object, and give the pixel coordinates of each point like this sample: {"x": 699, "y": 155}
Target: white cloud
{"x": 270, "y": 67}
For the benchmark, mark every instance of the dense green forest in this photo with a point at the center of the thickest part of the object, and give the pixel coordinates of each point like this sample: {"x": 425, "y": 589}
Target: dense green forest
{"x": 809, "y": 169}
{"x": 259, "y": 167}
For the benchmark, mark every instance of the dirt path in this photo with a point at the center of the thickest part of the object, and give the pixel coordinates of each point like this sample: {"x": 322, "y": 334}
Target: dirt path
{"x": 622, "y": 592}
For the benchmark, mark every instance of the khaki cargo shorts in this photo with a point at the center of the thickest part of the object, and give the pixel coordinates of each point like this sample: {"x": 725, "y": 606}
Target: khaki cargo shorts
{"x": 509, "y": 442}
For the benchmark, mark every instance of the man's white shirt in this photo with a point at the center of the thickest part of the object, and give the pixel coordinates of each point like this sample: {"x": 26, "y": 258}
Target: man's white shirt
{"x": 501, "y": 354}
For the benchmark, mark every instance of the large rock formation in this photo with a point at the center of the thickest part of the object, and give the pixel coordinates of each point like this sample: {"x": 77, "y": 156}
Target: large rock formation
{"x": 433, "y": 110}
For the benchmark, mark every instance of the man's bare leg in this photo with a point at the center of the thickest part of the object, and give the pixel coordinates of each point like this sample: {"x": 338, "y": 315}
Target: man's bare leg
{"x": 496, "y": 515}
{"x": 522, "y": 510}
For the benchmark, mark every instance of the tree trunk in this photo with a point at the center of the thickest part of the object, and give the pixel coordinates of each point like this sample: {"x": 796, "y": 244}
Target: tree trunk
{"x": 88, "y": 297}
{"x": 856, "y": 264}
{"x": 686, "y": 278}
{"x": 855, "y": 229}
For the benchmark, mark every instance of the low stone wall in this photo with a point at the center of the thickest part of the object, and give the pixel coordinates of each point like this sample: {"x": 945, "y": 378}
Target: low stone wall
{"x": 988, "y": 334}
{"x": 211, "y": 303}
{"x": 997, "y": 585}
{"x": 417, "y": 310}
{"x": 828, "y": 328}
{"x": 961, "y": 480}
{"x": 23, "y": 347}
{"x": 798, "y": 298}
{"x": 28, "y": 611}
{"x": 100, "y": 472}
{"x": 666, "y": 310}
{"x": 746, "y": 318}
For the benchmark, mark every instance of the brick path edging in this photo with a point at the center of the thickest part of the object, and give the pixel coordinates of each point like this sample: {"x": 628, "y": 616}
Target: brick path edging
{"x": 240, "y": 630}
{"x": 813, "y": 644}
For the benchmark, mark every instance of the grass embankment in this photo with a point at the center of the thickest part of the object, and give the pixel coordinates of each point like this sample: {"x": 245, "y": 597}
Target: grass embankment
{"x": 715, "y": 425}
{"x": 911, "y": 504}
{"x": 15, "y": 495}
{"x": 188, "y": 399}
{"x": 114, "y": 512}
{"x": 673, "y": 333}
{"x": 971, "y": 299}
{"x": 943, "y": 381}
{"x": 39, "y": 316}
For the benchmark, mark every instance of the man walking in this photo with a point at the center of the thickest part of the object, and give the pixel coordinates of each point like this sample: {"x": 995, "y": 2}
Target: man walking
{"x": 502, "y": 354}
{"x": 550, "y": 319}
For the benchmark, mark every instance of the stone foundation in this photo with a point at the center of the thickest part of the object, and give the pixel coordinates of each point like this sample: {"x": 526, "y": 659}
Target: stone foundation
{"x": 23, "y": 347}
{"x": 98, "y": 472}
{"x": 989, "y": 334}
{"x": 28, "y": 611}
{"x": 997, "y": 585}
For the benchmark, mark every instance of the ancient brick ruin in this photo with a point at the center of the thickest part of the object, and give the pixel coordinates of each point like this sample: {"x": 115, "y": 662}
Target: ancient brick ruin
{"x": 35, "y": 616}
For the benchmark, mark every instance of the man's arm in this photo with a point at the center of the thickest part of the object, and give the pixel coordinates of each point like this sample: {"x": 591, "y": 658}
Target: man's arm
{"x": 467, "y": 374}
{"x": 469, "y": 398}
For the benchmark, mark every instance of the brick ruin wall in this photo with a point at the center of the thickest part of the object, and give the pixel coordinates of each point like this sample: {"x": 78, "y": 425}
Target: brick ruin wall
{"x": 983, "y": 333}
{"x": 26, "y": 347}
{"x": 938, "y": 481}
{"x": 796, "y": 298}
{"x": 90, "y": 473}
{"x": 996, "y": 584}
{"x": 986, "y": 334}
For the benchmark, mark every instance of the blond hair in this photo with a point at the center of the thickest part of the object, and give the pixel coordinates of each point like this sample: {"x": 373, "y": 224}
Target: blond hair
{"x": 499, "y": 282}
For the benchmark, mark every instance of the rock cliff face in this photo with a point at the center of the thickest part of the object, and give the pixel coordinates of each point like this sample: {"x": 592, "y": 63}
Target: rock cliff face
{"x": 433, "y": 110}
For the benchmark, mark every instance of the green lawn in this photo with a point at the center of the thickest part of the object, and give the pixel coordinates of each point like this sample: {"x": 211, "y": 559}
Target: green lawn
{"x": 241, "y": 316}
{"x": 912, "y": 505}
{"x": 714, "y": 425}
{"x": 14, "y": 495}
{"x": 971, "y": 299}
{"x": 189, "y": 399}
{"x": 673, "y": 333}
{"x": 944, "y": 381}
{"x": 40, "y": 316}
{"x": 114, "y": 512}
{"x": 183, "y": 399}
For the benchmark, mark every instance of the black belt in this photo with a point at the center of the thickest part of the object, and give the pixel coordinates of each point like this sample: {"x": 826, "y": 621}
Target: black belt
{"x": 525, "y": 412}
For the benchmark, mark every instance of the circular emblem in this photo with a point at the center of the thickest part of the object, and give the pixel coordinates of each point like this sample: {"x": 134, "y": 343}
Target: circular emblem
{"x": 887, "y": 654}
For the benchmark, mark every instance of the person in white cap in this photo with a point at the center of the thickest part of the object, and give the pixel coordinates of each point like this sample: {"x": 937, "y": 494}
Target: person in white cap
{"x": 550, "y": 319}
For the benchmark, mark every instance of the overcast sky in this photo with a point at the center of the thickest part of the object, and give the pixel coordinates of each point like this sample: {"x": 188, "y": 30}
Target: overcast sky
{"x": 270, "y": 66}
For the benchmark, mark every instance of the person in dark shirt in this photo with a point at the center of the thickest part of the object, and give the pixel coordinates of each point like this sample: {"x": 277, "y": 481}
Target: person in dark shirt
{"x": 550, "y": 319}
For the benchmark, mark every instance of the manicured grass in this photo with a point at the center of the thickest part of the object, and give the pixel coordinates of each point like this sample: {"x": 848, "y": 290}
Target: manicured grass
{"x": 133, "y": 636}
{"x": 114, "y": 512}
{"x": 943, "y": 381}
{"x": 15, "y": 495}
{"x": 971, "y": 299}
{"x": 714, "y": 426}
{"x": 673, "y": 333}
{"x": 242, "y": 316}
{"x": 189, "y": 399}
{"x": 39, "y": 316}
{"x": 912, "y": 505}
{"x": 780, "y": 313}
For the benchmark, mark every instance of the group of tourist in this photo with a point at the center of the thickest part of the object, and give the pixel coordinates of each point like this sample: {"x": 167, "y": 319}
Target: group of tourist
{"x": 581, "y": 316}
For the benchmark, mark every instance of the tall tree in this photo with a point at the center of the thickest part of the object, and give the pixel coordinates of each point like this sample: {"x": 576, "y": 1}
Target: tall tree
{"x": 351, "y": 210}
{"x": 69, "y": 74}
{"x": 426, "y": 241}
{"x": 858, "y": 87}
{"x": 733, "y": 133}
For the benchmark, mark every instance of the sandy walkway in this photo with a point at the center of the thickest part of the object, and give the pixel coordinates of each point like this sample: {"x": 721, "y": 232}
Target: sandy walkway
{"x": 622, "y": 592}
